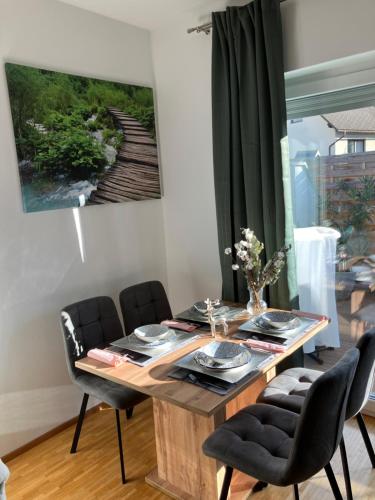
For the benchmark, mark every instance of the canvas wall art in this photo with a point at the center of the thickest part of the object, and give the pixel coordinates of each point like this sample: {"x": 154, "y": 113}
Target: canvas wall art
{"x": 81, "y": 141}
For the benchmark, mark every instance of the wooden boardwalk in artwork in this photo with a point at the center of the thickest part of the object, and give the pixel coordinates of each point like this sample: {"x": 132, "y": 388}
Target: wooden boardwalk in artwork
{"x": 135, "y": 173}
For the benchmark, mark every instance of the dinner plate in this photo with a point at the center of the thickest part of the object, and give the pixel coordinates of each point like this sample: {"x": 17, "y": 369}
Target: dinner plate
{"x": 221, "y": 356}
{"x": 152, "y": 333}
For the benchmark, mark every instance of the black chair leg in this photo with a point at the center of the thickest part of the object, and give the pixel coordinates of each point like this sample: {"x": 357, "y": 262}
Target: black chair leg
{"x": 296, "y": 493}
{"x": 81, "y": 416}
{"x": 332, "y": 481}
{"x": 129, "y": 412}
{"x": 118, "y": 423}
{"x": 345, "y": 468}
{"x": 226, "y": 483}
{"x": 366, "y": 439}
{"x": 259, "y": 486}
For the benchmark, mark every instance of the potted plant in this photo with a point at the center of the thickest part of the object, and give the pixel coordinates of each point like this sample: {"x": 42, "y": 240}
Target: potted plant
{"x": 248, "y": 252}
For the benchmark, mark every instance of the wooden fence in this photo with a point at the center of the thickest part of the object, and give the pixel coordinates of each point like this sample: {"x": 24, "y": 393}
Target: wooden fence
{"x": 351, "y": 168}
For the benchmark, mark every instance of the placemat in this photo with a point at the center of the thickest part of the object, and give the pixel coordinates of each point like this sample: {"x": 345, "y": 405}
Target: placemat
{"x": 131, "y": 343}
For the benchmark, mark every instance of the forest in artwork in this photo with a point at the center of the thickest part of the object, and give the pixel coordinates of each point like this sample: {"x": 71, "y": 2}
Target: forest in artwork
{"x": 81, "y": 140}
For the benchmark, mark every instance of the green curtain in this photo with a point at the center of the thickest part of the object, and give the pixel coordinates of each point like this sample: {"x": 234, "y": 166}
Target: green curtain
{"x": 249, "y": 139}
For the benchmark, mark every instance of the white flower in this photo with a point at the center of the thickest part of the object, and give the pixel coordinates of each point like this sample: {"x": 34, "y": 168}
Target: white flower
{"x": 248, "y": 234}
{"x": 242, "y": 254}
{"x": 280, "y": 255}
{"x": 245, "y": 244}
{"x": 228, "y": 251}
{"x": 249, "y": 266}
{"x": 235, "y": 267}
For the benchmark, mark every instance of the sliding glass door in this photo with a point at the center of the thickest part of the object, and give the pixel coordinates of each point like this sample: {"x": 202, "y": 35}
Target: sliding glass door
{"x": 332, "y": 167}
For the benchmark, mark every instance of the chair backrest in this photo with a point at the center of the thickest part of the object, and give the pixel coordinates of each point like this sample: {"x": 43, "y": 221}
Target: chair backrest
{"x": 88, "y": 324}
{"x": 321, "y": 423}
{"x": 144, "y": 304}
{"x": 364, "y": 374}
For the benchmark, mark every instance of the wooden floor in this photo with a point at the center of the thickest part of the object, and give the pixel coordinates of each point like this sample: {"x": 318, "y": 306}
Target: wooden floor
{"x": 135, "y": 174}
{"x": 48, "y": 471}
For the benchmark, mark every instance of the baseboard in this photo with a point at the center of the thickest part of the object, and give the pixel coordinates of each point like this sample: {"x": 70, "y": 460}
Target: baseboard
{"x": 52, "y": 432}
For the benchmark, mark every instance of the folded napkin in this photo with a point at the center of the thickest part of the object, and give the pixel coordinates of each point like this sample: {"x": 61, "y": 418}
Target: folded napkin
{"x": 267, "y": 346}
{"x": 109, "y": 358}
{"x": 179, "y": 325}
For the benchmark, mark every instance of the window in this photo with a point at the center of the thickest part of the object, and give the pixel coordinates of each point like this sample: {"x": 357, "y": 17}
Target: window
{"x": 356, "y": 146}
{"x": 332, "y": 189}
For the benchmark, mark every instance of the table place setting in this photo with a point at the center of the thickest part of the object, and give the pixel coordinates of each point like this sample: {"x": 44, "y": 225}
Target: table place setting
{"x": 149, "y": 343}
{"x": 276, "y": 331}
{"x": 220, "y": 366}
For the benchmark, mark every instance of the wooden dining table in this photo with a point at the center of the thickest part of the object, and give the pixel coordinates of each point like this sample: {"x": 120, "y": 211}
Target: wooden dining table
{"x": 185, "y": 415}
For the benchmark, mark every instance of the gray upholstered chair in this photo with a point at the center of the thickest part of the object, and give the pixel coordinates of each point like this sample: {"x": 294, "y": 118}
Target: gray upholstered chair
{"x": 288, "y": 390}
{"x": 4, "y": 474}
{"x": 86, "y": 325}
{"x": 144, "y": 304}
{"x": 283, "y": 448}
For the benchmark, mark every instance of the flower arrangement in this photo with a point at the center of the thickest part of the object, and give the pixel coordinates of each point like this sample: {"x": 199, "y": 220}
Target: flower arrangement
{"x": 248, "y": 253}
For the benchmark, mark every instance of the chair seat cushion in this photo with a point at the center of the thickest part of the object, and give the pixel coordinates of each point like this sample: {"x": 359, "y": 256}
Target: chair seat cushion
{"x": 256, "y": 441}
{"x": 288, "y": 390}
{"x": 115, "y": 395}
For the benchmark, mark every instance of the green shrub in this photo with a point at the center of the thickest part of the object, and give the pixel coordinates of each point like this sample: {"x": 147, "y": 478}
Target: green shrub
{"x": 93, "y": 125}
{"x": 72, "y": 152}
{"x": 28, "y": 143}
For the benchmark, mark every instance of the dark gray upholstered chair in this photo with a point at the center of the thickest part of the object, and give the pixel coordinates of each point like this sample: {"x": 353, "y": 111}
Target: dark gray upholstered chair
{"x": 86, "y": 325}
{"x": 288, "y": 391}
{"x": 144, "y": 304}
{"x": 283, "y": 448}
{"x": 4, "y": 474}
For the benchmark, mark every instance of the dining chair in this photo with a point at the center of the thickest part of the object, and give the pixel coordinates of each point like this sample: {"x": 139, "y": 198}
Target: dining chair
{"x": 288, "y": 391}
{"x": 280, "y": 447}
{"x": 88, "y": 324}
{"x": 144, "y": 304}
{"x": 4, "y": 474}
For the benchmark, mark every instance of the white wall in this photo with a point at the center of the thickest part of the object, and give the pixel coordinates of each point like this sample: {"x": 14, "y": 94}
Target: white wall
{"x": 182, "y": 74}
{"x": 312, "y": 133}
{"x": 40, "y": 264}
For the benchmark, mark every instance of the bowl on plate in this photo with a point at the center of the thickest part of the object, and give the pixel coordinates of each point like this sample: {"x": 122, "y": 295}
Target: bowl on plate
{"x": 278, "y": 320}
{"x": 152, "y": 333}
{"x": 222, "y": 356}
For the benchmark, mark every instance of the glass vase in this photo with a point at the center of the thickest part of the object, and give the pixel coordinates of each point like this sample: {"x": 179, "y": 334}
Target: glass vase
{"x": 256, "y": 304}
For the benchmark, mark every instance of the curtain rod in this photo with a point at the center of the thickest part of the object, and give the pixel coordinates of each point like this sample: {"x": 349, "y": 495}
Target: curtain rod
{"x": 206, "y": 28}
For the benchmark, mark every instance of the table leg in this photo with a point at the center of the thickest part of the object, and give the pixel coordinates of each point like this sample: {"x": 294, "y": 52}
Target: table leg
{"x": 183, "y": 471}
{"x": 356, "y": 300}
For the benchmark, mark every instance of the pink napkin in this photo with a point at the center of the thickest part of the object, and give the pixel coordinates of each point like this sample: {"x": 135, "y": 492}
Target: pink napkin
{"x": 109, "y": 358}
{"x": 179, "y": 325}
{"x": 268, "y": 346}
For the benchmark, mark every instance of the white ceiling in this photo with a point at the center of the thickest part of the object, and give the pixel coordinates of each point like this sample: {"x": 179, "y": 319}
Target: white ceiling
{"x": 151, "y": 14}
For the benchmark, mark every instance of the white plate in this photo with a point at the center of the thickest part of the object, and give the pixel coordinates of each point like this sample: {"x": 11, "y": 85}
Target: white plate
{"x": 151, "y": 333}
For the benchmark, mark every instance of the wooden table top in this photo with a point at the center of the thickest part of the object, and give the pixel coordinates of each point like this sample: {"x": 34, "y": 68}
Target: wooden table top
{"x": 153, "y": 379}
